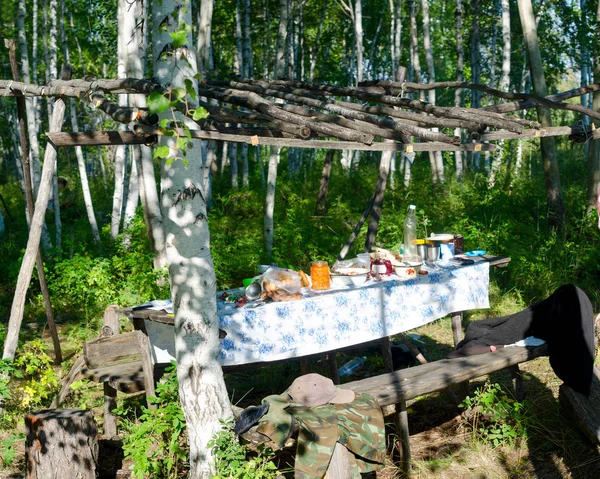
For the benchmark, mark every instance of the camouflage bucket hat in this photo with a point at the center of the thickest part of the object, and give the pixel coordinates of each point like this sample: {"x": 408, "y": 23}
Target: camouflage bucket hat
{"x": 315, "y": 390}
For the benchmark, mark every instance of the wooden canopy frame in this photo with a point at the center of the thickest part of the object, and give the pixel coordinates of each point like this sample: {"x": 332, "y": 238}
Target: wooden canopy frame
{"x": 375, "y": 116}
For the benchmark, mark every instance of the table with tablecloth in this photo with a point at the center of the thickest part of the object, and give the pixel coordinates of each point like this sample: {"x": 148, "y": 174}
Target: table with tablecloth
{"x": 337, "y": 318}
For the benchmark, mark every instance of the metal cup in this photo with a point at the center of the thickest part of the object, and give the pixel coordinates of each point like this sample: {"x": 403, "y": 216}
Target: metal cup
{"x": 433, "y": 252}
{"x": 422, "y": 250}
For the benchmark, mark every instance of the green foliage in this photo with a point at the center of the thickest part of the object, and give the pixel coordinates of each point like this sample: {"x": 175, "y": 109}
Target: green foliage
{"x": 497, "y": 419}
{"x": 231, "y": 459}
{"x": 40, "y": 379}
{"x": 156, "y": 442}
{"x": 8, "y": 454}
{"x": 7, "y": 371}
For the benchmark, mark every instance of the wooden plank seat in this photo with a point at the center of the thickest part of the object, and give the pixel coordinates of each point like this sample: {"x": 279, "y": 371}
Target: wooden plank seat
{"x": 400, "y": 386}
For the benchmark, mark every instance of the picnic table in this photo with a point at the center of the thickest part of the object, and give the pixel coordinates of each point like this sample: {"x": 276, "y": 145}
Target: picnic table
{"x": 327, "y": 321}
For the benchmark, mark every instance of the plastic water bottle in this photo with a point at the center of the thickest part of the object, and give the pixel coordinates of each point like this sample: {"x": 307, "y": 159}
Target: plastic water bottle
{"x": 352, "y": 365}
{"x": 410, "y": 232}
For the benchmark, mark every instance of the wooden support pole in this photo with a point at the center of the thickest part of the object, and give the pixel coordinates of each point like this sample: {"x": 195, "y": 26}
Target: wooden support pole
{"x": 33, "y": 243}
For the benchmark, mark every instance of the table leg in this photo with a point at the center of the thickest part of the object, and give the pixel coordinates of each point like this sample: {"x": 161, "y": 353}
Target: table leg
{"x": 386, "y": 352}
{"x": 457, "y": 327}
{"x": 303, "y": 367}
{"x": 457, "y": 335}
{"x": 333, "y": 367}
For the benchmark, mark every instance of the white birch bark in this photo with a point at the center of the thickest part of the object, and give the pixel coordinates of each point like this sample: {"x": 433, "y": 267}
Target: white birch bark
{"x": 434, "y": 156}
{"x": 205, "y": 13}
{"x": 133, "y": 196}
{"x": 358, "y": 38}
{"x": 120, "y": 151}
{"x": 85, "y": 187}
{"x": 458, "y": 155}
{"x": 237, "y": 53}
{"x": 32, "y": 129}
{"x": 191, "y": 272}
{"x": 270, "y": 202}
{"x": 280, "y": 49}
{"x": 233, "y": 165}
{"x": 504, "y": 82}
{"x": 135, "y": 26}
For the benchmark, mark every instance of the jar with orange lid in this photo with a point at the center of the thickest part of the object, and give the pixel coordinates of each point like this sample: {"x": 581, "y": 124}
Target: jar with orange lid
{"x": 319, "y": 274}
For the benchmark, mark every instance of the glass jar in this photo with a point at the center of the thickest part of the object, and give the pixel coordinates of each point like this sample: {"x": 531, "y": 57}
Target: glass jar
{"x": 319, "y": 274}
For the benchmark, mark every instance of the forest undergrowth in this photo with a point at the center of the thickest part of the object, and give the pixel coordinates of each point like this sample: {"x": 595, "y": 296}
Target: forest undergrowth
{"x": 508, "y": 219}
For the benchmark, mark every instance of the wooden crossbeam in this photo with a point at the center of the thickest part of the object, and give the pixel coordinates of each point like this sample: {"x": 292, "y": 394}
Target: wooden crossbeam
{"x": 147, "y": 135}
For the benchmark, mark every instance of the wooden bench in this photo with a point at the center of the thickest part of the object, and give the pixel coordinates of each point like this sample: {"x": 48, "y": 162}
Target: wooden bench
{"x": 398, "y": 387}
{"x": 121, "y": 362}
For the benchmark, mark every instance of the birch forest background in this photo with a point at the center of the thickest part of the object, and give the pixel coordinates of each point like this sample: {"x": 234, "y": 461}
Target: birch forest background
{"x": 103, "y": 240}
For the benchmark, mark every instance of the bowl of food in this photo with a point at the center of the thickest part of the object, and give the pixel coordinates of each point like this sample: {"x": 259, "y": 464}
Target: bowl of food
{"x": 349, "y": 276}
{"x": 407, "y": 269}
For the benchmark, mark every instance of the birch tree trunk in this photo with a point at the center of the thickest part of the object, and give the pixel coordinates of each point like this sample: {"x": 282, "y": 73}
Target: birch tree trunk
{"x": 85, "y": 187}
{"x": 32, "y": 129}
{"x": 398, "y": 38}
{"x": 205, "y": 13}
{"x": 191, "y": 272}
{"x": 593, "y": 153}
{"x": 435, "y": 157}
{"x": 270, "y": 202}
{"x": 135, "y": 26}
{"x": 133, "y": 196}
{"x": 280, "y": 53}
{"x": 314, "y": 51}
{"x": 358, "y": 38}
{"x": 556, "y": 211}
{"x": 460, "y": 64}
{"x": 233, "y": 165}
{"x": 120, "y": 150}
{"x": 245, "y": 172}
{"x": 475, "y": 67}
{"x": 384, "y": 170}
{"x": 504, "y": 82}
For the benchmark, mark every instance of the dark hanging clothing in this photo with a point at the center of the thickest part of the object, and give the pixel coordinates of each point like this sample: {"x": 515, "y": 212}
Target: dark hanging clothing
{"x": 565, "y": 320}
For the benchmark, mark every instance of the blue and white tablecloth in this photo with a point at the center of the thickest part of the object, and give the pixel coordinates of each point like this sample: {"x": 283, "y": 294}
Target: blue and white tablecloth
{"x": 333, "y": 319}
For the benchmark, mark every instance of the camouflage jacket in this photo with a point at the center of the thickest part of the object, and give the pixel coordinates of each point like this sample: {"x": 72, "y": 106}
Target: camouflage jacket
{"x": 357, "y": 425}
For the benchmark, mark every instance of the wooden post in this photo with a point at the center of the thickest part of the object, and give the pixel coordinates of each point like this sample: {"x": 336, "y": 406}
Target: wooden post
{"x": 21, "y": 114}
{"x": 386, "y": 352}
{"x": 402, "y": 422}
{"x": 457, "y": 327}
{"x": 110, "y": 327}
{"x": 33, "y": 243}
{"x": 61, "y": 443}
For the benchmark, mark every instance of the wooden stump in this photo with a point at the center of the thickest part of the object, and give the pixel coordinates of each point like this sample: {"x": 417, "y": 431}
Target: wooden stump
{"x": 61, "y": 443}
{"x": 584, "y": 411}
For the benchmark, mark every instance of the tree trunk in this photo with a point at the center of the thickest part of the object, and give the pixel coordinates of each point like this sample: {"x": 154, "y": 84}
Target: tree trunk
{"x": 246, "y": 42}
{"x": 414, "y": 73}
{"x": 321, "y": 208}
{"x": 280, "y": 54}
{"x": 314, "y": 51}
{"x": 61, "y": 444}
{"x": 270, "y": 202}
{"x": 32, "y": 128}
{"x": 204, "y": 36}
{"x": 504, "y": 82}
{"x": 85, "y": 187}
{"x": 202, "y": 389}
{"x": 233, "y": 165}
{"x": 358, "y": 38}
{"x": 136, "y": 23}
{"x": 245, "y": 179}
{"x": 133, "y": 196}
{"x": 458, "y": 155}
{"x": 435, "y": 156}
{"x": 384, "y": 170}
{"x": 237, "y": 53}
{"x": 593, "y": 154}
{"x": 397, "y": 38}
{"x": 556, "y": 211}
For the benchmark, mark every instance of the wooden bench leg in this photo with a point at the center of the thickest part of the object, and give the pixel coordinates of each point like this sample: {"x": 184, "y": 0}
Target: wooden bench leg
{"x": 517, "y": 381}
{"x": 110, "y": 403}
{"x": 402, "y": 420}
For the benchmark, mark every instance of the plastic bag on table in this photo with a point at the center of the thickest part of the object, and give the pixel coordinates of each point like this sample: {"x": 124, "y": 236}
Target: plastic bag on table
{"x": 281, "y": 279}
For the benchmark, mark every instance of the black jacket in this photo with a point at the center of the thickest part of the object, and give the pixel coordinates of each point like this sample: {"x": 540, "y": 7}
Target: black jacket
{"x": 565, "y": 320}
